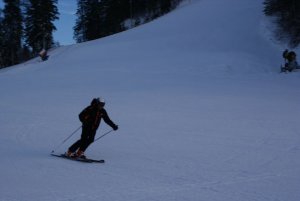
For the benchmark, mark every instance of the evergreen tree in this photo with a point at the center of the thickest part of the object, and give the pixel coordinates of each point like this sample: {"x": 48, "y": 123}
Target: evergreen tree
{"x": 11, "y": 33}
{"x": 80, "y": 27}
{"x": 89, "y": 24}
{"x": 115, "y": 13}
{"x": 40, "y": 15}
{"x": 93, "y": 19}
{"x": 165, "y": 6}
{"x": 287, "y": 14}
{"x": 1, "y": 40}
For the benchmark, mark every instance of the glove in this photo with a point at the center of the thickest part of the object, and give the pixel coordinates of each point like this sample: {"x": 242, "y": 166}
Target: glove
{"x": 115, "y": 127}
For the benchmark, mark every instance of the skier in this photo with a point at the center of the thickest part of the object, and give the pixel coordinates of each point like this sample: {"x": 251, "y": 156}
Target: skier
{"x": 290, "y": 61}
{"x": 90, "y": 117}
{"x": 43, "y": 55}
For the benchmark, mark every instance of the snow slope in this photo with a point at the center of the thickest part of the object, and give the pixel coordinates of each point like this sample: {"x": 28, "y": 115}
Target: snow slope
{"x": 203, "y": 113}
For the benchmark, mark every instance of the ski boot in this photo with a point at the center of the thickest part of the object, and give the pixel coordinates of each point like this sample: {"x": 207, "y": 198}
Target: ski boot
{"x": 80, "y": 154}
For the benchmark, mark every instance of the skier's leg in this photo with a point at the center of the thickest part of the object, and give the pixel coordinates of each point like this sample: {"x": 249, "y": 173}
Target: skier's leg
{"x": 89, "y": 140}
{"x": 75, "y": 146}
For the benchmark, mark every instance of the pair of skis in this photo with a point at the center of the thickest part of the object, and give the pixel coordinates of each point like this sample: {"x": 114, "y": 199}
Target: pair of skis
{"x": 85, "y": 160}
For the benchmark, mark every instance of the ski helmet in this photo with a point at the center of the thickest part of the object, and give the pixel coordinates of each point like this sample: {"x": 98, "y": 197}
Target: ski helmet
{"x": 98, "y": 101}
{"x": 101, "y": 101}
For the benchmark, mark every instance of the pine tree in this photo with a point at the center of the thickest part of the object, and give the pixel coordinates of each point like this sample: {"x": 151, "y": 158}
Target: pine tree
{"x": 1, "y": 40}
{"x": 116, "y": 12}
{"x": 40, "y": 15}
{"x": 80, "y": 27}
{"x": 287, "y": 14}
{"x": 93, "y": 22}
{"x": 12, "y": 33}
{"x": 89, "y": 24}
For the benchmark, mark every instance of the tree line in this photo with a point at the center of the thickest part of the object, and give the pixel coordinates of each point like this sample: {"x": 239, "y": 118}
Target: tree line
{"x": 96, "y": 19}
{"x": 26, "y": 26}
{"x": 287, "y": 18}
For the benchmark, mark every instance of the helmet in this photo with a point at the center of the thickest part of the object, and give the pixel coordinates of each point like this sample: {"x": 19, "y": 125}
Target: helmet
{"x": 101, "y": 100}
{"x": 98, "y": 101}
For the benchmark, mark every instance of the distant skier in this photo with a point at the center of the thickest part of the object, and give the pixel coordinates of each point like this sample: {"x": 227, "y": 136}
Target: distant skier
{"x": 290, "y": 61}
{"x": 43, "y": 55}
{"x": 90, "y": 117}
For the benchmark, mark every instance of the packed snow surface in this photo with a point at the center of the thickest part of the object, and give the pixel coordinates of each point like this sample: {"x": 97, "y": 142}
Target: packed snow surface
{"x": 203, "y": 113}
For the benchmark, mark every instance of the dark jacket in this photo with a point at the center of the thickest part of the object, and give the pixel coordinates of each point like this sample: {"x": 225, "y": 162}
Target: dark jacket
{"x": 91, "y": 117}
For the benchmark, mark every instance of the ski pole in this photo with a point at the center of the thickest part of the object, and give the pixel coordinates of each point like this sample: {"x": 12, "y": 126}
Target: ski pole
{"x": 103, "y": 135}
{"x": 66, "y": 139}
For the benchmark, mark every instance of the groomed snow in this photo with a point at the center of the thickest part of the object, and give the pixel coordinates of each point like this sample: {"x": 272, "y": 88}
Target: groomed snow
{"x": 203, "y": 112}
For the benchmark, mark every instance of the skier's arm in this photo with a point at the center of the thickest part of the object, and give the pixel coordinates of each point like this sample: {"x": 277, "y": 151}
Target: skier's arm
{"x": 108, "y": 121}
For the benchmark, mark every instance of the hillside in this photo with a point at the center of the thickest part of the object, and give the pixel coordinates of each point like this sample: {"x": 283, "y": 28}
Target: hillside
{"x": 202, "y": 110}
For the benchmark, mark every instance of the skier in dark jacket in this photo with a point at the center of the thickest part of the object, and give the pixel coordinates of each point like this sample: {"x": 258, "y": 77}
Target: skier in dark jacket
{"x": 90, "y": 117}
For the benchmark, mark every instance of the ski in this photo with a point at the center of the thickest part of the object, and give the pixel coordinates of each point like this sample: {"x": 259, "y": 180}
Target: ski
{"x": 85, "y": 160}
